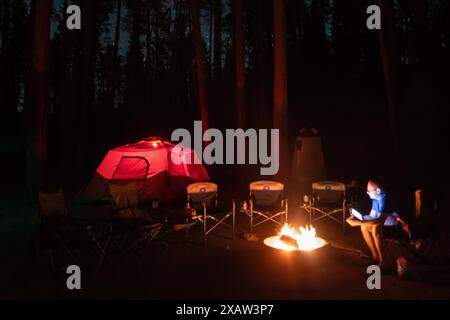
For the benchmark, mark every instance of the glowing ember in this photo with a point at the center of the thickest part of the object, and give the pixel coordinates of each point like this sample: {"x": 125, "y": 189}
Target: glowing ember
{"x": 292, "y": 239}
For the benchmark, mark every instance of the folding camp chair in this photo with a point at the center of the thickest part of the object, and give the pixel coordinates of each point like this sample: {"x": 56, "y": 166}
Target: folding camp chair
{"x": 55, "y": 231}
{"x": 203, "y": 196}
{"x": 59, "y": 229}
{"x": 131, "y": 215}
{"x": 94, "y": 220}
{"x": 327, "y": 200}
{"x": 267, "y": 203}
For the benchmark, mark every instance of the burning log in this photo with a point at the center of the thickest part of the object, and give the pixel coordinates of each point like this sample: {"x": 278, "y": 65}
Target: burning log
{"x": 290, "y": 241}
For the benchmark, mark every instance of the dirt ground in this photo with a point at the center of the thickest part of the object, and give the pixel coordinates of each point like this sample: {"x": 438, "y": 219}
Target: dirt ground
{"x": 183, "y": 268}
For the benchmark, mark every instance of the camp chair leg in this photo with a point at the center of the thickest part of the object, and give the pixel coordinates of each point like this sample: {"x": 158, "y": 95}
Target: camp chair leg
{"x": 286, "y": 212}
{"x": 310, "y": 214}
{"x": 103, "y": 255}
{"x": 70, "y": 253}
{"x": 152, "y": 237}
{"x": 344, "y": 214}
{"x": 281, "y": 219}
{"x": 275, "y": 218}
{"x": 154, "y": 234}
{"x": 316, "y": 214}
{"x": 204, "y": 224}
{"x": 101, "y": 251}
{"x": 251, "y": 215}
{"x": 234, "y": 218}
{"x": 186, "y": 227}
{"x": 186, "y": 231}
{"x": 219, "y": 222}
{"x": 149, "y": 236}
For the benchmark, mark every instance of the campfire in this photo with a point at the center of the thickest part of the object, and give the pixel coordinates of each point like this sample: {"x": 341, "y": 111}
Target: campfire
{"x": 292, "y": 239}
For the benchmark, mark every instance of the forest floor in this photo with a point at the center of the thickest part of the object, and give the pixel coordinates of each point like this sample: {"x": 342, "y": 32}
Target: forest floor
{"x": 223, "y": 269}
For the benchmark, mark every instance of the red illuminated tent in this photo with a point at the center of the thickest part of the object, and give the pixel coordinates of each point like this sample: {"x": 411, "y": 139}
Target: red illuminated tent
{"x": 161, "y": 170}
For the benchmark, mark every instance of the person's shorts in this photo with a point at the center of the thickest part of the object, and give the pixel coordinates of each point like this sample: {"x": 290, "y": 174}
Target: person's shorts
{"x": 391, "y": 220}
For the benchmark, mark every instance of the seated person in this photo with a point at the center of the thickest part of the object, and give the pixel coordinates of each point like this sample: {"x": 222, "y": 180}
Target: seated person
{"x": 371, "y": 224}
{"x": 425, "y": 256}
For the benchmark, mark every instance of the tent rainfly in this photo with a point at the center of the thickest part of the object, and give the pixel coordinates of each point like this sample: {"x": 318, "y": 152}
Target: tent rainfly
{"x": 161, "y": 169}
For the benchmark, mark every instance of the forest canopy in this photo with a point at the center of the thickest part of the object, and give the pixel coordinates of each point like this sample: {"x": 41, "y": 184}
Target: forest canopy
{"x": 130, "y": 72}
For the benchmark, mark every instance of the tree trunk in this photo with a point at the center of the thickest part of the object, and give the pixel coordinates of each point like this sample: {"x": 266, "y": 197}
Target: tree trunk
{"x": 65, "y": 126}
{"x": 5, "y": 27}
{"x": 148, "y": 40}
{"x": 88, "y": 41}
{"x": 117, "y": 30}
{"x": 421, "y": 43}
{"x": 157, "y": 38}
{"x": 135, "y": 67}
{"x": 387, "y": 50}
{"x": 115, "y": 57}
{"x": 199, "y": 62}
{"x": 148, "y": 77}
{"x": 4, "y": 51}
{"x": 239, "y": 44}
{"x": 42, "y": 10}
{"x": 280, "y": 112}
{"x": 175, "y": 71}
{"x": 217, "y": 38}
{"x": 260, "y": 62}
{"x": 211, "y": 13}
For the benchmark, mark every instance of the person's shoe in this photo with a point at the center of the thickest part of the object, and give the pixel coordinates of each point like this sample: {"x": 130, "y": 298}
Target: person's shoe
{"x": 405, "y": 271}
{"x": 418, "y": 244}
{"x": 402, "y": 267}
{"x": 368, "y": 261}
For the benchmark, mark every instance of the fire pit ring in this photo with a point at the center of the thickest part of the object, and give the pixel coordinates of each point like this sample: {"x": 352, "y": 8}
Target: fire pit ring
{"x": 274, "y": 242}
{"x": 290, "y": 240}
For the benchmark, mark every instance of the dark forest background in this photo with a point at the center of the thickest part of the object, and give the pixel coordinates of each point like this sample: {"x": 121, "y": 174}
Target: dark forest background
{"x": 379, "y": 99}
